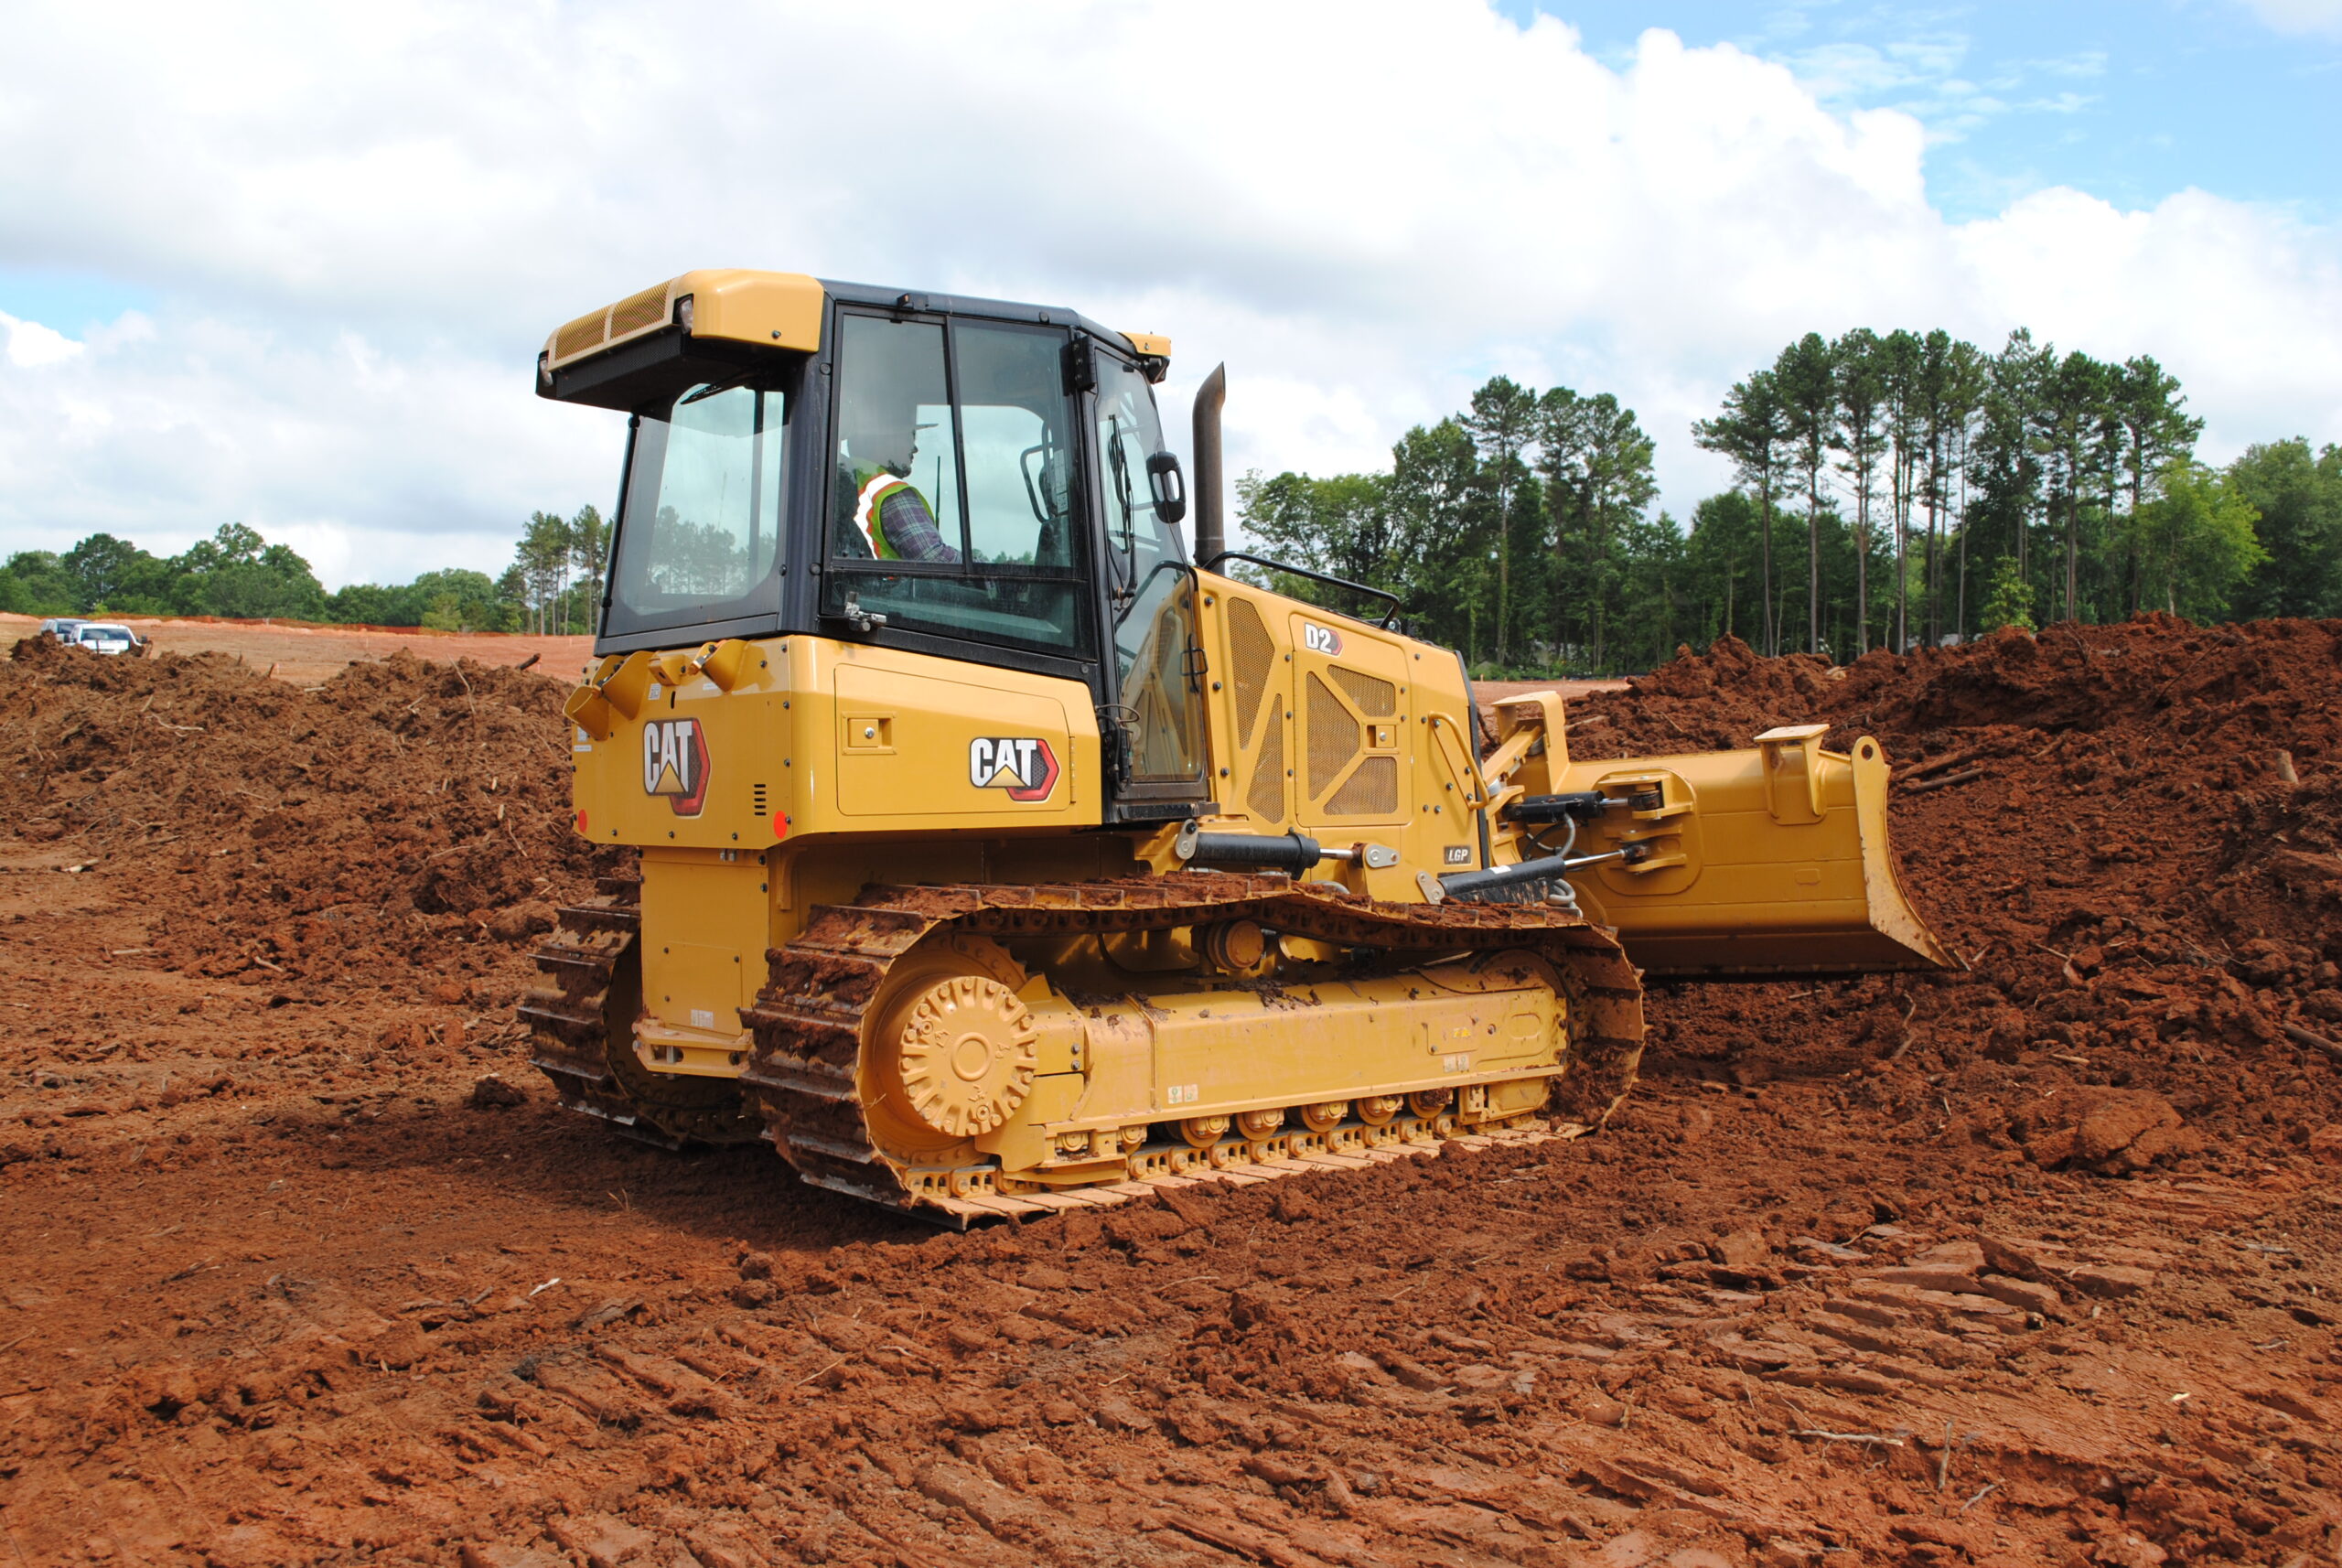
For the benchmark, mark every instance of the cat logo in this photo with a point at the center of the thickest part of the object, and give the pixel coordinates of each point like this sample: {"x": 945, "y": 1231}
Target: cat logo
{"x": 674, "y": 764}
{"x": 1022, "y": 765}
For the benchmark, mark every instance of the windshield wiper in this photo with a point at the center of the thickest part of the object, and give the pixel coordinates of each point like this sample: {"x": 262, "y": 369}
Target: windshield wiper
{"x": 711, "y": 389}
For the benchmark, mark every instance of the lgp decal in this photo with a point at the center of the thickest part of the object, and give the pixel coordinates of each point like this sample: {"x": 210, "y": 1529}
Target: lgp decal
{"x": 674, "y": 764}
{"x": 1322, "y": 640}
{"x": 1022, "y": 765}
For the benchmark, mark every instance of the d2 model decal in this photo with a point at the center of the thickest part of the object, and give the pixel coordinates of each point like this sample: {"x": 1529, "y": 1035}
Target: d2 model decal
{"x": 674, "y": 764}
{"x": 1022, "y": 765}
{"x": 1322, "y": 640}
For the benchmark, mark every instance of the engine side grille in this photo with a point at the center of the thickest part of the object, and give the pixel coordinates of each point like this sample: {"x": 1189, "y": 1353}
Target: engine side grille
{"x": 1253, "y": 656}
{"x": 757, "y": 804}
{"x": 636, "y": 312}
{"x": 1334, "y": 736}
{"x": 1371, "y": 791}
{"x": 1265, "y": 799}
{"x": 1375, "y": 698}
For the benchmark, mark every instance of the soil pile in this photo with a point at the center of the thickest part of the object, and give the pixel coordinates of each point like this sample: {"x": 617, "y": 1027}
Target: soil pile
{"x": 2129, "y": 831}
{"x": 359, "y": 832}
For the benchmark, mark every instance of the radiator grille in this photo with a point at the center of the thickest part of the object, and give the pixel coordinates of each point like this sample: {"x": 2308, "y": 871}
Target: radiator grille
{"x": 1253, "y": 656}
{"x": 1375, "y": 698}
{"x": 586, "y": 332}
{"x": 1333, "y": 736}
{"x": 1266, "y": 798}
{"x": 1371, "y": 791}
{"x": 757, "y": 804}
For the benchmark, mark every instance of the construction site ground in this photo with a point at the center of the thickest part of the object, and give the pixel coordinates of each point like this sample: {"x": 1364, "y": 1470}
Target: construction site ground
{"x": 2030, "y": 1263}
{"x": 304, "y": 655}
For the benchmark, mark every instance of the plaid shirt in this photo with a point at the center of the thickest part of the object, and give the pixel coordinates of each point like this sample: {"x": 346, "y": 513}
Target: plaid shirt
{"x": 902, "y": 519}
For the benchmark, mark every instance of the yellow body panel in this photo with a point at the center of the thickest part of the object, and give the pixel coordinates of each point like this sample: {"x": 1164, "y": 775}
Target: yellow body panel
{"x": 705, "y": 914}
{"x": 1332, "y": 727}
{"x": 784, "y": 753}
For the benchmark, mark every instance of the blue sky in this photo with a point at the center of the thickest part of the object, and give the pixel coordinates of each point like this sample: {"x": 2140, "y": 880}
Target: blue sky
{"x": 2129, "y": 99}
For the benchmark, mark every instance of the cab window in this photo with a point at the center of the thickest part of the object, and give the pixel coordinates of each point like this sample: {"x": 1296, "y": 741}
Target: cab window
{"x": 953, "y": 499}
{"x": 699, "y": 536}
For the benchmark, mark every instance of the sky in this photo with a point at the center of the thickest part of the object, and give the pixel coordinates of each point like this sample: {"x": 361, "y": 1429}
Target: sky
{"x": 291, "y": 265}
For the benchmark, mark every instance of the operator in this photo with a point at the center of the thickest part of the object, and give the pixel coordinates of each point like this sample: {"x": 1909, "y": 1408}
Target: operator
{"x": 888, "y": 510}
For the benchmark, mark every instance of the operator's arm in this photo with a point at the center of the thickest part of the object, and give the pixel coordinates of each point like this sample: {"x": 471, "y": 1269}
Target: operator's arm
{"x": 911, "y": 527}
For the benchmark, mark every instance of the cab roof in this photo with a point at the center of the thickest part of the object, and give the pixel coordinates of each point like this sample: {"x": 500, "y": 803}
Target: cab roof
{"x": 782, "y": 310}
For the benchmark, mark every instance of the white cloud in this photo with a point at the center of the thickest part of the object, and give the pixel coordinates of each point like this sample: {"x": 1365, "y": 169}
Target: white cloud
{"x": 2300, "y": 16}
{"x": 358, "y": 225}
{"x": 32, "y": 345}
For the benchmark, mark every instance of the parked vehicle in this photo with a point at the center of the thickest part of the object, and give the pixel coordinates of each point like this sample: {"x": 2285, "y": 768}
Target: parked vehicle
{"x": 63, "y": 629}
{"x": 107, "y": 636}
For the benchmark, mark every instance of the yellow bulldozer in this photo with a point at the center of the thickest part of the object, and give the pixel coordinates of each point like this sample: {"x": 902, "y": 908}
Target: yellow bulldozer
{"x": 1001, "y": 855}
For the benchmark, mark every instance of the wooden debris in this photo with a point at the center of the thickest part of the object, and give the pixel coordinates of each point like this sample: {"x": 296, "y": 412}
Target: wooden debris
{"x": 1966, "y": 775}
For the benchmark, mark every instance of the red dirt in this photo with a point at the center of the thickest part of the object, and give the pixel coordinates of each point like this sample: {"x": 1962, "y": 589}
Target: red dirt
{"x": 286, "y": 1283}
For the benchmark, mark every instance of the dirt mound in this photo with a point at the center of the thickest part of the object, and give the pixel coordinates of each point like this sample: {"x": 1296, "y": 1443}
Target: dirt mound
{"x": 362, "y": 831}
{"x": 2130, "y": 832}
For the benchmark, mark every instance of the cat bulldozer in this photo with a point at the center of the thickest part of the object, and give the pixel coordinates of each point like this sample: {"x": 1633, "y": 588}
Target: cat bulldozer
{"x": 999, "y": 854}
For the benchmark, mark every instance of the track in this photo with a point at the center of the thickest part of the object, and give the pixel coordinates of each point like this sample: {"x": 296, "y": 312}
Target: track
{"x": 582, "y": 1031}
{"x": 810, "y": 1022}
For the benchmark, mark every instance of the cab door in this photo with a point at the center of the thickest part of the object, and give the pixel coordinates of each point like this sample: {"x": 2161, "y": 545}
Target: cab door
{"x": 1157, "y": 746}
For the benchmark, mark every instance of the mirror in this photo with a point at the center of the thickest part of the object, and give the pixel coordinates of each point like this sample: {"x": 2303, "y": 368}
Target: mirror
{"x": 1170, "y": 487}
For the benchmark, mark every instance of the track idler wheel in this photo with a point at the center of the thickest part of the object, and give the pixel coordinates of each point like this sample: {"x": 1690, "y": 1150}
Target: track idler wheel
{"x": 963, "y": 1053}
{"x": 951, "y": 1052}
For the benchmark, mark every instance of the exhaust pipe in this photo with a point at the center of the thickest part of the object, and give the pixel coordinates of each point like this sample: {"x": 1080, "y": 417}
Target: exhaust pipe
{"x": 1211, "y": 529}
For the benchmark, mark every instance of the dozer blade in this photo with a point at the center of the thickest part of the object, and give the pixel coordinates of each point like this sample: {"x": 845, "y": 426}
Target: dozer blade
{"x": 1761, "y": 864}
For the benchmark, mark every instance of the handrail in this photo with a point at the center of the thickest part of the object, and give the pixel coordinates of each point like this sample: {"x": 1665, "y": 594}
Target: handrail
{"x": 1384, "y": 593}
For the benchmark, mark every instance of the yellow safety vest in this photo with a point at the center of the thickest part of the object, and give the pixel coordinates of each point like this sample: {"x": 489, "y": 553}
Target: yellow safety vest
{"x": 876, "y": 492}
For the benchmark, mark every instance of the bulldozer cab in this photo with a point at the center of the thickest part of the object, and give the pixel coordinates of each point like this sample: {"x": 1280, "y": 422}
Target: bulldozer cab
{"x": 982, "y": 481}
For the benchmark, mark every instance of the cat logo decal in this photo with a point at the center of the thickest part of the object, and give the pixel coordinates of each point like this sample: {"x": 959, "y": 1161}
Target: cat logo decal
{"x": 1022, "y": 765}
{"x": 674, "y": 764}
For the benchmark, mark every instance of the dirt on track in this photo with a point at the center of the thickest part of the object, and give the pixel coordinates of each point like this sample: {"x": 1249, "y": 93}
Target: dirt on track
{"x": 2030, "y": 1263}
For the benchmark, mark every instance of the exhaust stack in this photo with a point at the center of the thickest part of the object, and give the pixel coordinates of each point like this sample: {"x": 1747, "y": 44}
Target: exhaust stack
{"x": 1211, "y": 529}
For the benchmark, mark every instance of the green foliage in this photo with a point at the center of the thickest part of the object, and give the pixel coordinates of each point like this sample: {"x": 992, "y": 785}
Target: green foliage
{"x": 2196, "y": 541}
{"x": 1892, "y": 490}
{"x": 237, "y": 574}
{"x": 2299, "y": 497}
{"x": 36, "y": 583}
{"x": 2009, "y": 603}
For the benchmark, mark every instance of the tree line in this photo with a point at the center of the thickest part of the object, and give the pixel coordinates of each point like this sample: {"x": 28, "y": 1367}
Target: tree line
{"x": 1893, "y": 490}
{"x": 554, "y": 585}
